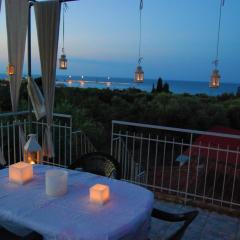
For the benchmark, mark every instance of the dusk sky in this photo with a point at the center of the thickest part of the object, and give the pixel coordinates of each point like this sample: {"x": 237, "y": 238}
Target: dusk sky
{"x": 179, "y": 39}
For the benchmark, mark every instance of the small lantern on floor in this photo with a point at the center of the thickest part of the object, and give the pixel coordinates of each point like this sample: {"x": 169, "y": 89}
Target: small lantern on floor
{"x": 32, "y": 150}
{"x": 63, "y": 62}
{"x": 215, "y": 79}
{"x": 10, "y": 70}
{"x": 139, "y": 75}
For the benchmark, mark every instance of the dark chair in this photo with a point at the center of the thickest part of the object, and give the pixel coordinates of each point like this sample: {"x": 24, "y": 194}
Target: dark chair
{"x": 6, "y": 235}
{"x": 187, "y": 218}
{"x": 98, "y": 163}
{"x": 1, "y": 166}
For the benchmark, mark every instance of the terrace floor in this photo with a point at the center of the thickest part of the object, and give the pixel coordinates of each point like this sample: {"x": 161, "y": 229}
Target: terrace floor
{"x": 206, "y": 226}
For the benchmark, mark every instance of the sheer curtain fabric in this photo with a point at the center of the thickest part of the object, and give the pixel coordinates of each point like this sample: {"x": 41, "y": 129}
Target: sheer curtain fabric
{"x": 17, "y": 22}
{"x": 47, "y": 20}
{"x": 37, "y": 99}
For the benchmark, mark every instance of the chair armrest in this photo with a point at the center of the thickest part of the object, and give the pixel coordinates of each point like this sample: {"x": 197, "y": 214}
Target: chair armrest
{"x": 187, "y": 218}
{"x": 170, "y": 217}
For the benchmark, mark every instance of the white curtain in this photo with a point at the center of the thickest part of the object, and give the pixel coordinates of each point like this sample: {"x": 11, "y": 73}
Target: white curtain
{"x": 2, "y": 159}
{"x": 47, "y": 20}
{"x": 37, "y": 99}
{"x": 17, "y": 22}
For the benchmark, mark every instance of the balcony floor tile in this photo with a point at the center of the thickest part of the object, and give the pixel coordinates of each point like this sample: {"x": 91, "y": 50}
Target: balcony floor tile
{"x": 207, "y": 226}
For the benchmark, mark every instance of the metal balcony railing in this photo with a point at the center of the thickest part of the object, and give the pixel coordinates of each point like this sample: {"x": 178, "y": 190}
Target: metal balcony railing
{"x": 193, "y": 165}
{"x": 68, "y": 144}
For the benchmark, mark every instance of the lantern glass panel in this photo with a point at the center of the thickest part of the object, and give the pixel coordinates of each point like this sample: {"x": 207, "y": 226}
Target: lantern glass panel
{"x": 63, "y": 62}
{"x": 139, "y": 75}
{"x": 32, "y": 157}
{"x": 215, "y": 79}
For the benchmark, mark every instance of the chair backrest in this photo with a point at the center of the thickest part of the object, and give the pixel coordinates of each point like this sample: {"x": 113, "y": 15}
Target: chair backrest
{"x": 98, "y": 163}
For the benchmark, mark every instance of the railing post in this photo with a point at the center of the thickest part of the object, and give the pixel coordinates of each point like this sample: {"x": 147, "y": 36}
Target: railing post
{"x": 234, "y": 179}
{"x": 132, "y": 166}
{"x": 188, "y": 170}
{"x": 70, "y": 144}
{"x": 112, "y": 138}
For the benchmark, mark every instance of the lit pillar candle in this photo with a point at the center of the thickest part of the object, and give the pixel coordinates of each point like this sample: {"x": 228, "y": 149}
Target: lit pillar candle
{"x": 56, "y": 182}
{"x": 20, "y": 172}
{"x": 99, "y": 194}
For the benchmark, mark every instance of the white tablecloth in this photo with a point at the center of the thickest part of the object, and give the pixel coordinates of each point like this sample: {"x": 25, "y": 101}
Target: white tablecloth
{"x": 73, "y": 216}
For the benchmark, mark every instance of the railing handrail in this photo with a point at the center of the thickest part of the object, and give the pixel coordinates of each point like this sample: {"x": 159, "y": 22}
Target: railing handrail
{"x": 182, "y": 130}
{"x": 77, "y": 131}
{"x": 176, "y": 143}
{"x": 11, "y": 114}
{"x": 20, "y": 113}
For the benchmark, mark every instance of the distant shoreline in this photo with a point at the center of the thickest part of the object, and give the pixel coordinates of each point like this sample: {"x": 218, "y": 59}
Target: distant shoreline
{"x": 176, "y": 86}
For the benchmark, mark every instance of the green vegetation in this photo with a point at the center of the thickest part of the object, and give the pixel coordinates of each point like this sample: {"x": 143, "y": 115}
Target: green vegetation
{"x": 94, "y": 109}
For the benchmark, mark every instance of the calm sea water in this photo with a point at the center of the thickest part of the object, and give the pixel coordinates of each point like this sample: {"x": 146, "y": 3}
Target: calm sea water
{"x": 176, "y": 86}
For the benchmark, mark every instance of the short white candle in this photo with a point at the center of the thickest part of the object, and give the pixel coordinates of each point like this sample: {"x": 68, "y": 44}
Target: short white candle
{"x": 20, "y": 172}
{"x": 56, "y": 182}
{"x": 99, "y": 194}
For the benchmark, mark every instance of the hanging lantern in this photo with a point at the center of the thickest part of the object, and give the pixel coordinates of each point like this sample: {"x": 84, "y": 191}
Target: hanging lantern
{"x": 10, "y": 70}
{"x": 32, "y": 150}
{"x": 139, "y": 75}
{"x": 215, "y": 79}
{"x": 63, "y": 62}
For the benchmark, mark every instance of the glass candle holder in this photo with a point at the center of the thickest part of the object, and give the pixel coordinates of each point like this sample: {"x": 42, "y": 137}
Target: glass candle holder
{"x": 20, "y": 172}
{"x": 99, "y": 194}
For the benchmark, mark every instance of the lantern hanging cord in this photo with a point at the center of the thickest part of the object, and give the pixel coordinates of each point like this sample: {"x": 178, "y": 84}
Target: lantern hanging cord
{"x": 222, "y": 2}
{"x": 140, "y": 33}
{"x": 65, "y": 7}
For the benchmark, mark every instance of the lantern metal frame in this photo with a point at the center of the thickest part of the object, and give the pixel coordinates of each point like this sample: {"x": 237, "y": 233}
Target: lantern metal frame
{"x": 32, "y": 150}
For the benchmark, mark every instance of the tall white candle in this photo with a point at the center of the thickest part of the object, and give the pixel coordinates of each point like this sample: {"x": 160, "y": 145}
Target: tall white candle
{"x": 56, "y": 182}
